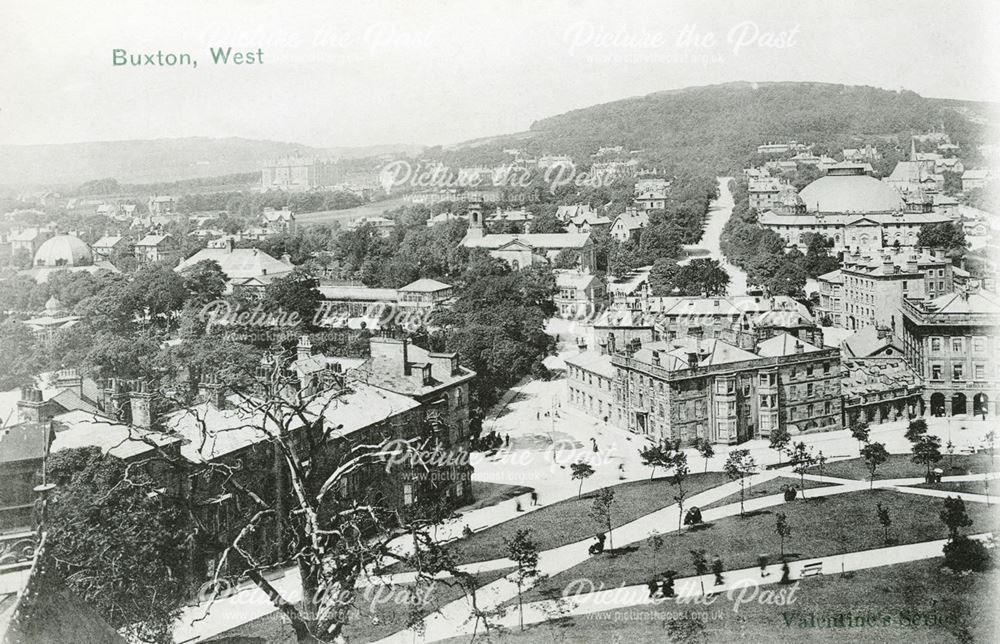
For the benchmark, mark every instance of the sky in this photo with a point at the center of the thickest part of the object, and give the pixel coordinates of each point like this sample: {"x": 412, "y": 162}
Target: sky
{"x": 338, "y": 73}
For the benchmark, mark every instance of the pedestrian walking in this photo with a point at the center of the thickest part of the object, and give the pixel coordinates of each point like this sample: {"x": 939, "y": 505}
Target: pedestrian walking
{"x": 534, "y": 497}
{"x": 717, "y": 570}
{"x": 506, "y": 440}
{"x": 784, "y": 572}
{"x": 667, "y": 587}
{"x": 653, "y": 587}
{"x": 762, "y": 562}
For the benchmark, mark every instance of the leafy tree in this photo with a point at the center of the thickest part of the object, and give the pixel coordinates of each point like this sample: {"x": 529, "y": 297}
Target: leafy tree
{"x": 654, "y": 456}
{"x": 874, "y": 455}
{"x": 801, "y": 459}
{"x": 118, "y": 547}
{"x": 927, "y": 451}
{"x": 700, "y": 563}
{"x": 655, "y": 543}
{"x": 885, "y": 520}
{"x": 679, "y": 471}
{"x": 947, "y": 235}
{"x": 704, "y": 447}
{"x": 859, "y": 431}
{"x": 782, "y": 529}
{"x": 157, "y": 291}
{"x": 739, "y": 465}
{"x": 954, "y": 516}
{"x": 602, "y": 510}
{"x": 580, "y": 472}
{"x": 963, "y": 553}
{"x": 780, "y": 438}
{"x": 204, "y": 282}
{"x": 916, "y": 429}
{"x": 664, "y": 277}
{"x": 523, "y": 551}
{"x": 21, "y": 354}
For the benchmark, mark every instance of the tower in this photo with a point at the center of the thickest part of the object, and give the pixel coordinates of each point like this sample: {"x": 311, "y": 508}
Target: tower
{"x": 475, "y": 219}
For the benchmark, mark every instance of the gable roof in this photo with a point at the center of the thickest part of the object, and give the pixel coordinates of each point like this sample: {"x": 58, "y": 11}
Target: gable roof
{"x": 425, "y": 286}
{"x": 532, "y": 240}
{"x": 866, "y": 343}
{"x": 783, "y": 345}
{"x": 239, "y": 263}
{"x": 24, "y": 442}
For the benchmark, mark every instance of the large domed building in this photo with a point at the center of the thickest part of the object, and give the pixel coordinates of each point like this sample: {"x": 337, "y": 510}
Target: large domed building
{"x": 63, "y": 251}
{"x": 849, "y": 190}
{"x": 857, "y": 211}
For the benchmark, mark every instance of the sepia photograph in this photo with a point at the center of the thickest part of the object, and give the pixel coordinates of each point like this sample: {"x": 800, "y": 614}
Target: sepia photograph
{"x": 499, "y": 322}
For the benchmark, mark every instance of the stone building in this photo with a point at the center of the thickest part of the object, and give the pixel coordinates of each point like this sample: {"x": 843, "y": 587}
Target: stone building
{"x": 689, "y": 388}
{"x": 953, "y": 342}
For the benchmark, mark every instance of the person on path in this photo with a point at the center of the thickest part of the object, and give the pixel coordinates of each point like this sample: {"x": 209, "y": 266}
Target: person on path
{"x": 784, "y": 572}
{"x": 668, "y": 586}
{"x": 653, "y": 587}
{"x": 506, "y": 440}
{"x": 717, "y": 570}
{"x": 534, "y": 497}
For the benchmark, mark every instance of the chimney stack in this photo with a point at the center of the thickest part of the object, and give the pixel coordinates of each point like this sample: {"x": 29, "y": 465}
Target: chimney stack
{"x": 31, "y": 407}
{"x": 115, "y": 400}
{"x": 304, "y": 348}
{"x": 798, "y": 347}
{"x": 140, "y": 402}
{"x": 70, "y": 379}
{"x": 211, "y": 391}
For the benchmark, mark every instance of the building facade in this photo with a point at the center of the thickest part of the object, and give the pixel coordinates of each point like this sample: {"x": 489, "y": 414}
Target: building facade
{"x": 691, "y": 389}
{"x": 953, "y": 342}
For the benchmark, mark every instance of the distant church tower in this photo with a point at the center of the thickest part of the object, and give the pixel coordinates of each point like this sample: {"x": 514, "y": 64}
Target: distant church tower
{"x": 475, "y": 219}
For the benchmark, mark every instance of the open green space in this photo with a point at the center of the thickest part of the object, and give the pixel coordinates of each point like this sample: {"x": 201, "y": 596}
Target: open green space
{"x": 385, "y": 609}
{"x": 900, "y": 466}
{"x": 569, "y": 521}
{"x": 767, "y": 488}
{"x": 915, "y": 603}
{"x": 821, "y": 526}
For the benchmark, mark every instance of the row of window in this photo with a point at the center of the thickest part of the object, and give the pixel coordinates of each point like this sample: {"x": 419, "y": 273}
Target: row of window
{"x": 957, "y": 344}
{"x": 958, "y": 371}
{"x": 587, "y": 378}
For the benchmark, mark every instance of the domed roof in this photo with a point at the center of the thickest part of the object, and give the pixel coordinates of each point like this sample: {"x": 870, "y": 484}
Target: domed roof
{"x": 789, "y": 196}
{"x": 63, "y": 250}
{"x": 851, "y": 193}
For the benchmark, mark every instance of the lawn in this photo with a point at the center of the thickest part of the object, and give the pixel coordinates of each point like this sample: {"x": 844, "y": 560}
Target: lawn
{"x": 820, "y": 526}
{"x": 901, "y": 466}
{"x": 376, "y": 615}
{"x": 568, "y": 521}
{"x": 767, "y": 488}
{"x": 385, "y": 609}
{"x": 912, "y": 603}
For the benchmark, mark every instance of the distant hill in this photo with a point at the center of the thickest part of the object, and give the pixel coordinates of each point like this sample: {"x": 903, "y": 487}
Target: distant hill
{"x": 157, "y": 160}
{"x": 717, "y": 126}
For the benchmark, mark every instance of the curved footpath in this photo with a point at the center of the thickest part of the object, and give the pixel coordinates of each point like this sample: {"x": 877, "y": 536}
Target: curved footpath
{"x": 456, "y": 618}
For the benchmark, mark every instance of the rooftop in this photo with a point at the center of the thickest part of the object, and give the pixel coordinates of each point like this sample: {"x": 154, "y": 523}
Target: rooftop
{"x": 238, "y": 263}
{"x": 594, "y": 362}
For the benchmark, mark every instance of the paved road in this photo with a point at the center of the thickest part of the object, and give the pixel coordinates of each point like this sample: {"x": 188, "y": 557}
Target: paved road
{"x": 718, "y": 214}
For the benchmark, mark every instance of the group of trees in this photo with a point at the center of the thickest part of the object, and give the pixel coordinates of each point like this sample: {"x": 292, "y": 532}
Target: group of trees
{"x": 497, "y": 324}
{"x": 711, "y": 128}
{"x": 761, "y": 252}
{"x": 700, "y": 276}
